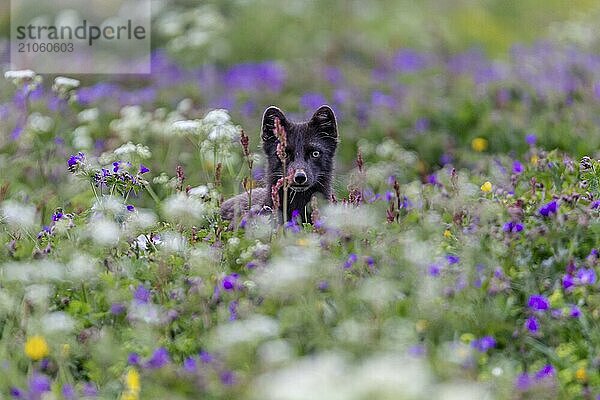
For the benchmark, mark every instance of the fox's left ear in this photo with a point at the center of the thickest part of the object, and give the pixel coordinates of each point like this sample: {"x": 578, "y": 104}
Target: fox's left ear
{"x": 324, "y": 120}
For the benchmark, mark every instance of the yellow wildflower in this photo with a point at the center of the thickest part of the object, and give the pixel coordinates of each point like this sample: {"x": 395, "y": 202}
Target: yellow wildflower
{"x": 421, "y": 325}
{"x": 302, "y": 242}
{"x": 479, "y": 144}
{"x": 129, "y": 396}
{"x": 132, "y": 380}
{"x": 132, "y": 385}
{"x": 534, "y": 159}
{"x": 36, "y": 347}
{"x": 486, "y": 187}
{"x": 581, "y": 374}
{"x": 447, "y": 234}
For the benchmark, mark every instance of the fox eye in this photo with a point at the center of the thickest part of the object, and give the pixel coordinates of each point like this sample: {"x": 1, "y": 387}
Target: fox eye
{"x": 316, "y": 154}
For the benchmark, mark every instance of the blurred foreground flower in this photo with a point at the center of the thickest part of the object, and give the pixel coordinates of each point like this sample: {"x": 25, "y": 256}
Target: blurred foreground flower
{"x": 479, "y": 144}
{"x": 36, "y": 347}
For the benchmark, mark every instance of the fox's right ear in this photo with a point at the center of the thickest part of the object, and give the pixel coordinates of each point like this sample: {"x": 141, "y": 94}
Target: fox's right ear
{"x": 268, "y": 122}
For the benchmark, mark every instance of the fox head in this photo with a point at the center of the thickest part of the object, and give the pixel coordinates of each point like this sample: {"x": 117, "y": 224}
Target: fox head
{"x": 310, "y": 152}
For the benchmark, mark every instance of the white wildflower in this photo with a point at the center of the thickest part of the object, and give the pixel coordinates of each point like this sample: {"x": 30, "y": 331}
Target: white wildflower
{"x": 57, "y": 322}
{"x": 127, "y": 148}
{"x": 82, "y": 267}
{"x": 379, "y": 292}
{"x": 275, "y": 352}
{"x": 142, "y": 219}
{"x": 143, "y": 151}
{"x": 104, "y": 232}
{"x": 173, "y": 242}
{"x": 109, "y": 205}
{"x": 38, "y": 294}
{"x": 253, "y": 329}
{"x": 463, "y": 391}
{"x": 39, "y": 122}
{"x": 199, "y": 191}
{"x": 347, "y": 217}
{"x": 34, "y": 271}
{"x": 88, "y": 115}
{"x": 185, "y": 105}
{"x": 217, "y": 117}
{"x": 18, "y": 215}
{"x": 187, "y": 126}
{"x": 64, "y": 83}
{"x": 145, "y": 312}
{"x": 184, "y": 209}
{"x": 324, "y": 376}
{"x": 82, "y": 138}
{"x": 293, "y": 268}
{"x": 161, "y": 179}
{"x": 391, "y": 376}
{"x": 7, "y": 303}
{"x": 24, "y": 74}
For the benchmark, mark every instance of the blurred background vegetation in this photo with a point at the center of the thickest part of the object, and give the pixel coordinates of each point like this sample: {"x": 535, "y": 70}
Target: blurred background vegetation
{"x": 231, "y": 31}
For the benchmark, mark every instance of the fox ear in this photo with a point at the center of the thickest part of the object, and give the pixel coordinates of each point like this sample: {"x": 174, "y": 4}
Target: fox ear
{"x": 324, "y": 120}
{"x": 268, "y": 122}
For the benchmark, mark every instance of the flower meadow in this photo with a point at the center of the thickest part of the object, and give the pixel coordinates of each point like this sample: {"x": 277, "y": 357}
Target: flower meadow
{"x": 458, "y": 259}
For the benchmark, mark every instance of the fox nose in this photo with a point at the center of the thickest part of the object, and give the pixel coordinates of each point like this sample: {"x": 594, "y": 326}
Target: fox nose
{"x": 300, "y": 177}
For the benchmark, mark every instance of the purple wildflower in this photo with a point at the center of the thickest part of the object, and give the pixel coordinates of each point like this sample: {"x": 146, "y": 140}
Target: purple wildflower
{"x": 143, "y": 169}
{"x": 233, "y": 310}
{"x": 230, "y": 281}
{"x": 190, "y": 365}
{"x": 68, "y": 392}
{"x": 206, "y": 357}
{"x": 575, "y": 312}
{"x": 512, "y": 227}
{"x": 159, "y": 359}
{"x": 548, "y": 208}
{"x": 538, "y": 303}
{"x": 117, "y": 308}
{"x": 452, "y": 259}
{"x": 484, "y": 344}
{"x": 517, "y": 167}
{"x": 532, "y": 324}
{"x": 432, "y": 180}
{"x": 434, "y": 270}
{"x": 90, "y": 390}
{"x": 133, "y": 359}
{"x": 421, "y": 125}
{"x": 568, "y": 282}
{"x": 370, "y": 261}
{"x": 350, "y": 261}
{"x": 547, "y": 371}
{"x": 523, "y": 382}
{"x": 16, "y": 393}
{"x": 141, "y": 295}
{"x": 130, "y": 208}
{"x": 39, "y": 384}
{"x": 74, "y": 161}
{"x": 227, "y": 378}
{"x": 531, "y": 139}
{"x": 586, "y": 276}
{"x": 417, "y": 350}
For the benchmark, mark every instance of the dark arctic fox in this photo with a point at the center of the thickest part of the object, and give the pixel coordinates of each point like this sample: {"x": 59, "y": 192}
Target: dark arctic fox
{"x": 310, "y": 152}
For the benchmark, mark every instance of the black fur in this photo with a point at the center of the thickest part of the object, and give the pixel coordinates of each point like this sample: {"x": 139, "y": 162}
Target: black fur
{"x": 319, "y": 134}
